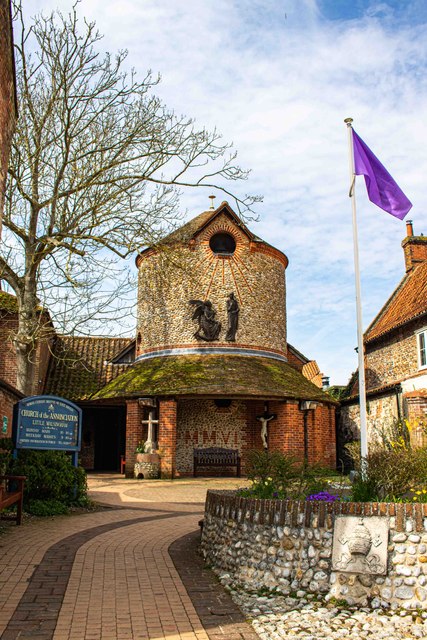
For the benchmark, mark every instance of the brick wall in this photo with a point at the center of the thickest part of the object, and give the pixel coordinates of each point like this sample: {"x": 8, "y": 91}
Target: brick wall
{"x": 168, "y": 437}
{"x": 8, "y": 324}
{"x": 134, "y": 434}
{"x": 415, "y": 251}
{"x": 8, "y": 397}
{"x": 201, "y": 424}
{"x": 294, "y": 360}
{"x": 7, "y": 94}
{"x": 8, "y": 363}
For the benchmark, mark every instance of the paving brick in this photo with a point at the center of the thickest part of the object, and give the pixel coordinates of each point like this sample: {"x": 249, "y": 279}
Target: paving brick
{"x": 109, "y": 574}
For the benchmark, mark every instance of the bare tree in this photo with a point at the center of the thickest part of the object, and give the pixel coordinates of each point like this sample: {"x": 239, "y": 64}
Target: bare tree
{"x": 96, "y": 166}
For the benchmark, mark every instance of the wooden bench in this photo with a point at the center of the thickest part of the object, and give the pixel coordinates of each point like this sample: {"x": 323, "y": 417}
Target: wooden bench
{"x": 216, "y": 457}
{"x": 12, "y": 493}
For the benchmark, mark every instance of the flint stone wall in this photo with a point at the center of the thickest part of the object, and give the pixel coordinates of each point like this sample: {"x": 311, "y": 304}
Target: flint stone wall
{"x": 171, "y": 277}
{"x": 287, "y": 546}
{"x": 201, "y": 424}
{"x": 382, "y": 415}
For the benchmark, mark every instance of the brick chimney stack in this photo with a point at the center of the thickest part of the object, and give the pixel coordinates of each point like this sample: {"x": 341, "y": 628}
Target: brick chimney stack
{"x": 414, "y": 248}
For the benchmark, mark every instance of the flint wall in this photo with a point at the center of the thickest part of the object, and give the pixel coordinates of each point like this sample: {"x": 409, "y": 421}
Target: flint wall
{"x": 287, "y": 545}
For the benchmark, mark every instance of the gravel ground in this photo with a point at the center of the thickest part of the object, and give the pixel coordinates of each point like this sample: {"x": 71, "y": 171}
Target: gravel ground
{"x": 278, "y": 617}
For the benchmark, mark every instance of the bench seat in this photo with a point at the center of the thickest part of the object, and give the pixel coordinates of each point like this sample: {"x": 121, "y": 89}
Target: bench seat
{"x": 216, "y": 457}
{"x": 12, "y": 493}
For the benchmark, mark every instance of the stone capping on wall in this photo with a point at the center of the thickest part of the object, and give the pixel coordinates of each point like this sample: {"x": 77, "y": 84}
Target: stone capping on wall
{"x": 227, "y": 505}
{"x": 211, "y": 348}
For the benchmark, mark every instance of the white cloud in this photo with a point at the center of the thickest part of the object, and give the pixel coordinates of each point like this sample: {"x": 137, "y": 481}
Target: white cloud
{"x": 278, "y": 79}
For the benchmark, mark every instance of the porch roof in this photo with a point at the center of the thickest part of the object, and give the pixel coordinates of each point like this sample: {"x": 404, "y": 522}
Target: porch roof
{"x": 213, "y": 375}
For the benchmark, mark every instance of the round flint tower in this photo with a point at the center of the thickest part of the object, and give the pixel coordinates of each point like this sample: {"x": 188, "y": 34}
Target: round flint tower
{"x": 212, "y": 286}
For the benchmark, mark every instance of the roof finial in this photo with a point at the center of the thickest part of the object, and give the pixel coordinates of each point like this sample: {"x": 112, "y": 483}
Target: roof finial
{"x": 212, "y": 198}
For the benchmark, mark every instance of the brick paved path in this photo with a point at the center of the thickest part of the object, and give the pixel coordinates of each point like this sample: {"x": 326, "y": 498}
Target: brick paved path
{"x": 109, "y": 575}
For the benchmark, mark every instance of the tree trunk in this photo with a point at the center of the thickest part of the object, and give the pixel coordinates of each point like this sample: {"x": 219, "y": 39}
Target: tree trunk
{"x": 26, "y": 339}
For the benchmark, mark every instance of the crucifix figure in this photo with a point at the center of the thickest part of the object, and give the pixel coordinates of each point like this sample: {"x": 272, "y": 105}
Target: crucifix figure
{"x": 264, "y": 420}
{"x": 151, "y": 444}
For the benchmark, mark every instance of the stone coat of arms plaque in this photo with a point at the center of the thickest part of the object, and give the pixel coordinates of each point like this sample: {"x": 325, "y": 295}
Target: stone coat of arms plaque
{"x": 360, "y": 544}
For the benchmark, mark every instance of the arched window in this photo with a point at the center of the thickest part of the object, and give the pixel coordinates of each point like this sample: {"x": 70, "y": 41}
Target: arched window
{"x": 223, "y": 244}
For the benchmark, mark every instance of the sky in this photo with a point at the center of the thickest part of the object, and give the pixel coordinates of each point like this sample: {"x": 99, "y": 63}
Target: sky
{"x": 277, "y": 78}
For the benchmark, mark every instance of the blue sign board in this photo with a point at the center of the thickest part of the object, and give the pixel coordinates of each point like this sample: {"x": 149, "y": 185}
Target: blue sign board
{"x": 47, "y": 422}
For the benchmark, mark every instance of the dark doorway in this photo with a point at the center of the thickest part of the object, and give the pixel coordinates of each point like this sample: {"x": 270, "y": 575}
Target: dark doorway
{"x": 104, "y": 438}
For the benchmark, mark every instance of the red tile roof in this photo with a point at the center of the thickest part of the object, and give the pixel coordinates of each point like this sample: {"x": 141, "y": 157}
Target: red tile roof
{"x": 407, "y": 302}
{"x": 80, "y": 366}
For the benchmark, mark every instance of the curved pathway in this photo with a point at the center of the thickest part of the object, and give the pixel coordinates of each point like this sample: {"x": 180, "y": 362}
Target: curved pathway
{"x": 109, "y": 575}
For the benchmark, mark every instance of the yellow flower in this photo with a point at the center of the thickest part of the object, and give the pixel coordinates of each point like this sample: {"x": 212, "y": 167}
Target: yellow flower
{"x": 424, "y": 490}
{"x": 418, "y": 493}
{"x": 415, "y": 498}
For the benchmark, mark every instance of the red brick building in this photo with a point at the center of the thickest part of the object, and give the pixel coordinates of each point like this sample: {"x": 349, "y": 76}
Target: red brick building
{"x": 395, "y": 354}
{"x": 8, "y": 109}
{"x": 8, "y": 394}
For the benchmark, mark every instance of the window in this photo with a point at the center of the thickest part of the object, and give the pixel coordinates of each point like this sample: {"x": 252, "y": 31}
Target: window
{"x": 422, "y": 348}
{"x": 223, "y": 244}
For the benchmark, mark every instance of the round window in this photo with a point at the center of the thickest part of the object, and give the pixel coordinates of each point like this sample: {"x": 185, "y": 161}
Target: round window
{"x": 223, "y": 244}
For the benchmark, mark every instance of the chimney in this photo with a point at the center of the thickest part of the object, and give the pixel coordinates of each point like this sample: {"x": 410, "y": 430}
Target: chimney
{"x": 414, "y": 248}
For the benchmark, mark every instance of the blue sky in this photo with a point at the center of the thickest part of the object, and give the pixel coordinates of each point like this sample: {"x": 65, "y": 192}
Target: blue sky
{"x": 277, "y": 78}
{"x": 395, "y": 11}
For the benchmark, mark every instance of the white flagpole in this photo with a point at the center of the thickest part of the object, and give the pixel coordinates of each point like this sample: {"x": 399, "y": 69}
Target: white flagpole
{"x": 360, "y": 350}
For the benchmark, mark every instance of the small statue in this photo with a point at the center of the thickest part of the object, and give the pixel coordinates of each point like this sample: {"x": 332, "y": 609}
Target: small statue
{"x": 204, "y": 313}
{"x": 233, "y": 318}
{"x": 265, "y": 419}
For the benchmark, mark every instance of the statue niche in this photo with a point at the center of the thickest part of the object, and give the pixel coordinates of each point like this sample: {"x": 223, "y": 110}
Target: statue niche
{"x": 204, "y": 313}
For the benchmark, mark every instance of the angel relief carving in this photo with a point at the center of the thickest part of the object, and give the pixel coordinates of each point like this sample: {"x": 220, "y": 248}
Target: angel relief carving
{"x": 204, "y": 313}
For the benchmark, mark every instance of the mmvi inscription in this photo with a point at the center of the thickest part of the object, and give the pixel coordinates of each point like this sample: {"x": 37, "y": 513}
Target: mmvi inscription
{"x": 360, "y": 545}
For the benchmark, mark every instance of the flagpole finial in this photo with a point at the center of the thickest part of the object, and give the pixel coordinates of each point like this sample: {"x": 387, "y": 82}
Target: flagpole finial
{"x": 348, "y": 121}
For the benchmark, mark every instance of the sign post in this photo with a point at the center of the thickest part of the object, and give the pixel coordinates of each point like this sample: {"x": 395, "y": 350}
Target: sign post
{"x": 47, "y": 422}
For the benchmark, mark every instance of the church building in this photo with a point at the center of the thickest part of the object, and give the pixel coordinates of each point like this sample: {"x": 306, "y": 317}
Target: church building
{"x": 210, "y": 365}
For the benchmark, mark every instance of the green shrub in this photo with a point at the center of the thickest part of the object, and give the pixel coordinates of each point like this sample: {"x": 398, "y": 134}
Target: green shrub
{"x": 46, "y": 508}
{"x": 277, "y": 475}
{"x": 6, "y": 447}
{"x": 50, "y": 476}
{"x": 388, "y": 472}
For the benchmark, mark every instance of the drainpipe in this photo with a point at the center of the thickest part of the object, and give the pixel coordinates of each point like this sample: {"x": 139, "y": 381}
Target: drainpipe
{"x": 306, "y": 406}
{"x": 398, "y": 391}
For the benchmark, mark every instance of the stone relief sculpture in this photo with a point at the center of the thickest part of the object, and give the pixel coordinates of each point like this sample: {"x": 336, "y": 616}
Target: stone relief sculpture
{"x": 360, "y": 545}
{"x": 233, "y": 318}
{"x": 204, "y": 313}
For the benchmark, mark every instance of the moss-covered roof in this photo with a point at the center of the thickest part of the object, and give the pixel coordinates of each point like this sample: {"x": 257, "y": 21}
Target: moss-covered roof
{"x": 80, "y": 366}
{"x": 212, "y": 375}
{"x": 8, "y": 302}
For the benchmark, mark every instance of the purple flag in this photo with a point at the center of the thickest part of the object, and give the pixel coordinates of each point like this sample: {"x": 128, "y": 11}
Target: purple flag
{"x": 382, "y": 189}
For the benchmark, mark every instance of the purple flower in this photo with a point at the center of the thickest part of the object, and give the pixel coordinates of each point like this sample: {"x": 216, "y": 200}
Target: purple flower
{"x": 323, "y": 496}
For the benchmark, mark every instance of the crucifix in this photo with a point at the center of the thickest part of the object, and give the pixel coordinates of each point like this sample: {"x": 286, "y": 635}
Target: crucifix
{"x": 150, "y": 444}
{"x": 264, "y": 419}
